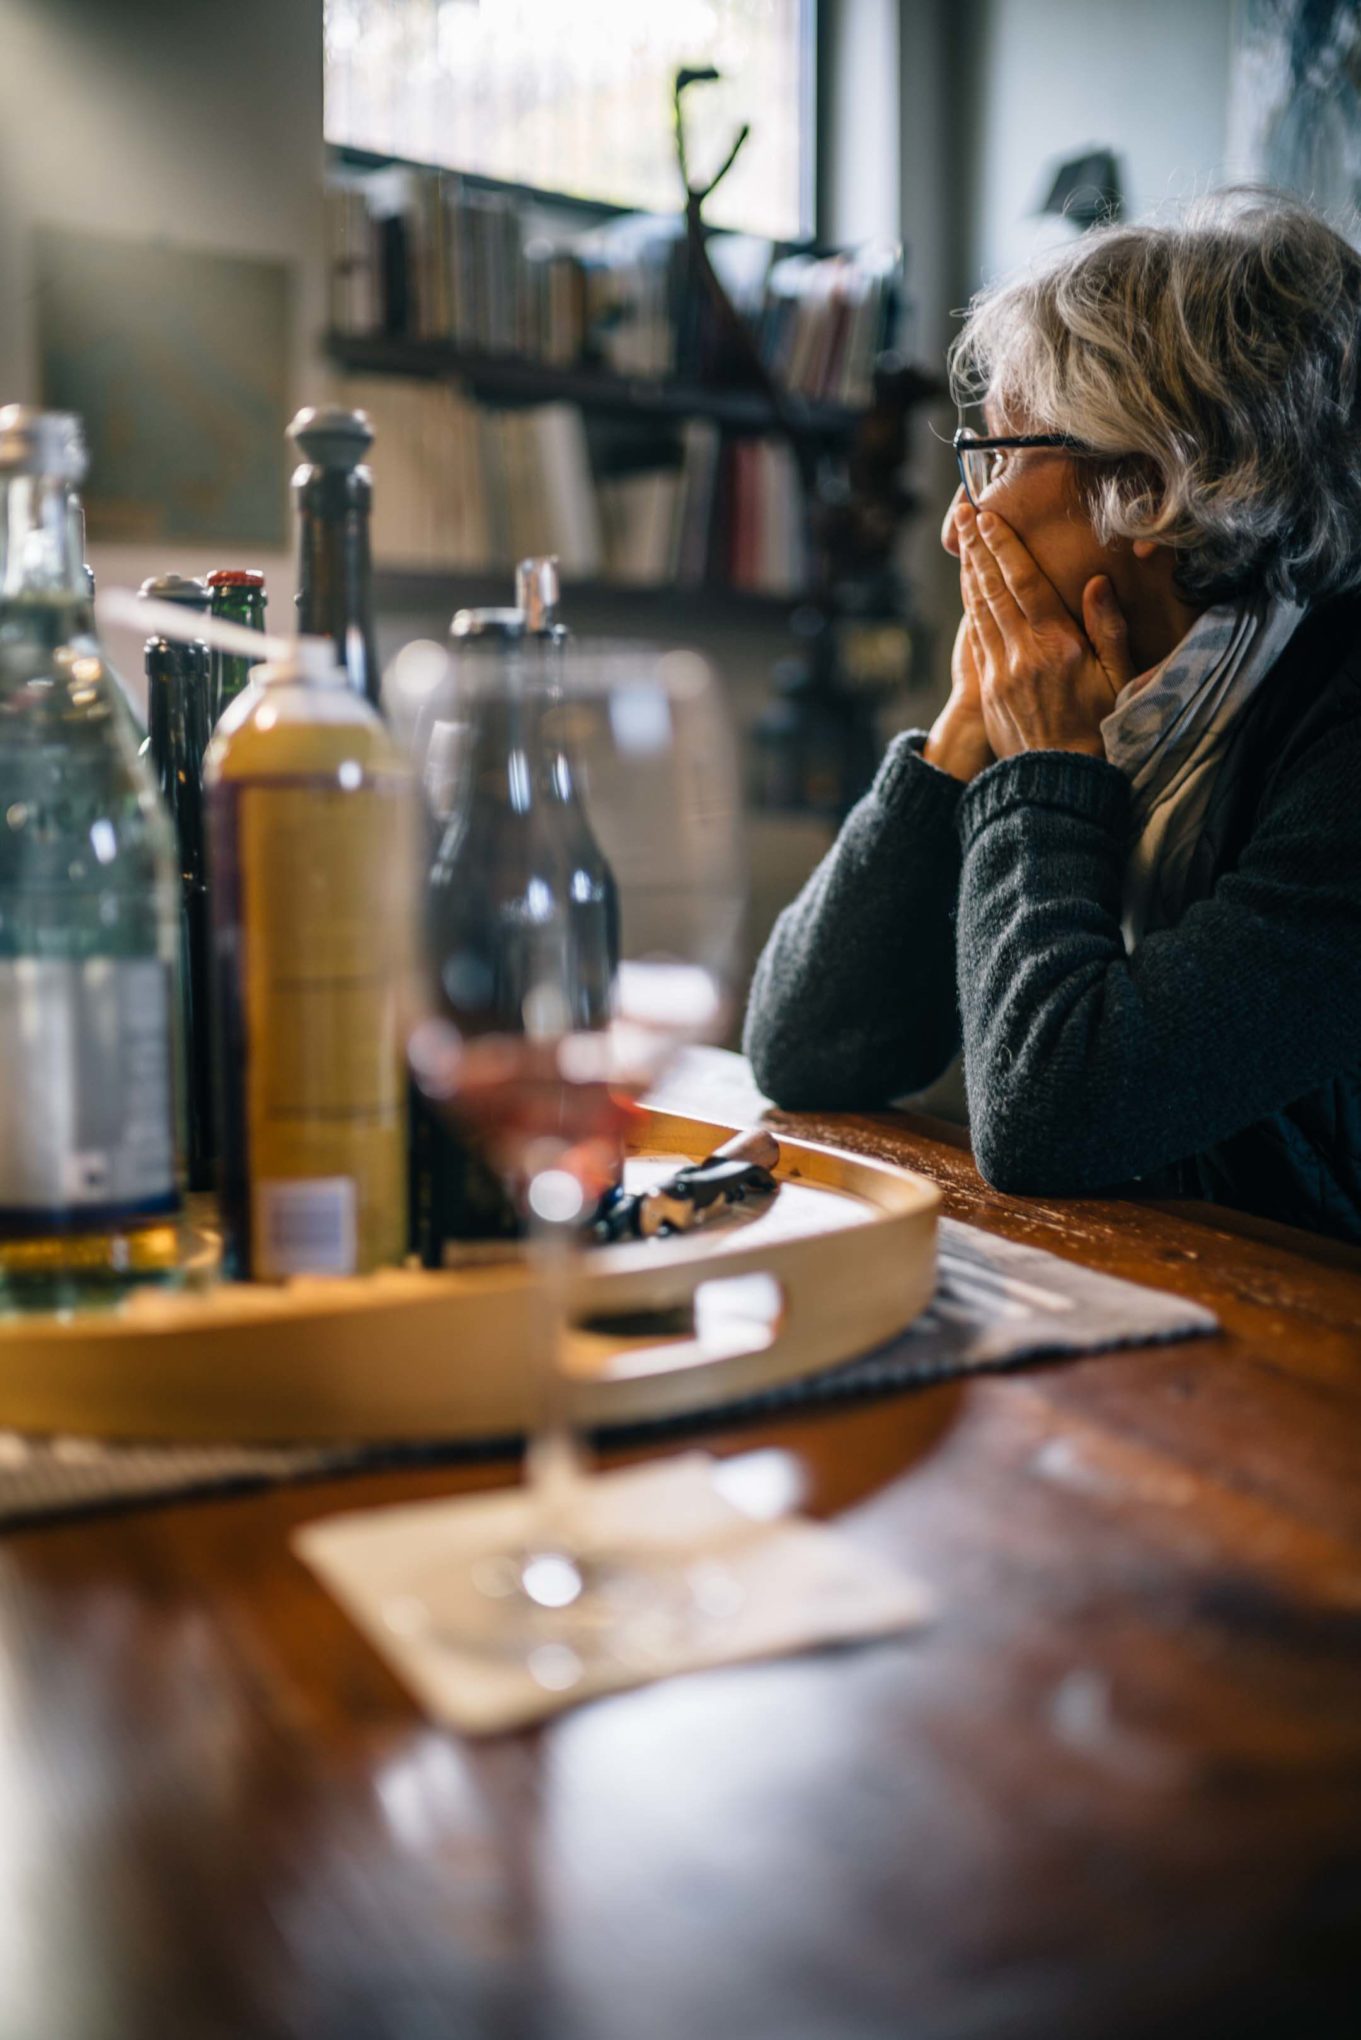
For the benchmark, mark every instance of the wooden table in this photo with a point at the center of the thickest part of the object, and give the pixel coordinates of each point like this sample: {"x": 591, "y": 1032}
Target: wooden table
{"x": 1115, "y": 1790}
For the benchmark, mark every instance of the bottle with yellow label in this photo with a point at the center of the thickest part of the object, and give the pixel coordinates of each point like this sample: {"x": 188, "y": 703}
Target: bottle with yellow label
{"x": 312, "y": 839}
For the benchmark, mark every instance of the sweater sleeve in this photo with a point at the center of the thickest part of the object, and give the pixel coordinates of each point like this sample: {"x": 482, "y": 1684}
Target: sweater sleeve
{"x": 1086, "y": 1067}
{"x": 853, "y": 999}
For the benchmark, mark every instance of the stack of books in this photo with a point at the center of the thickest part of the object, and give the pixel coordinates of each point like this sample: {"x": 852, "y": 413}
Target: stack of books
{"x": 429, "y": 255}
{"x": 824, "y": 321}
{"x": 425, "y": 255}
{"x": 459, "y": 486}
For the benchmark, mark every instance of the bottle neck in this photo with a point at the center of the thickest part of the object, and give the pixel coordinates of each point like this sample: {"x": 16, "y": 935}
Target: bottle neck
{"x": 42, "y": 543}
{"x": 335, "y": 581}
{"x": 245, "y": 606}
{"x": 178, "y": 731}
{"x": 515, "y": 748}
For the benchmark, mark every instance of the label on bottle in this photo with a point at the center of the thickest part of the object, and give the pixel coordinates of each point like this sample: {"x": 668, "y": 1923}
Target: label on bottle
{"x": 87, "y": 1127}
{"x": 325, "y": 874}
{"x": 305, "y": 1227}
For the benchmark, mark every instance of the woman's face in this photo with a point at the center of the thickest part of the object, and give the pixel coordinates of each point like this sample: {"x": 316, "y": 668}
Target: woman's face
{"x": 1035, "y": 491}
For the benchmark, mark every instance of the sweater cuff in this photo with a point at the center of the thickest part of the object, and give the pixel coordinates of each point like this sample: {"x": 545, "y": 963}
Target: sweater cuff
{"x": 1068, "y": 781}
{"x": 906, "y": 781}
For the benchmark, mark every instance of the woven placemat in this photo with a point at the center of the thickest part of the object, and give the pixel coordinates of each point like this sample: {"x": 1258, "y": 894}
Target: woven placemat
{"x": 997, "y": 1304}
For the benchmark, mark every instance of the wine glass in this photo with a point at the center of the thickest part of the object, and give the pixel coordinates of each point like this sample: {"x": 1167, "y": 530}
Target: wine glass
{"x": 585, "y": 911}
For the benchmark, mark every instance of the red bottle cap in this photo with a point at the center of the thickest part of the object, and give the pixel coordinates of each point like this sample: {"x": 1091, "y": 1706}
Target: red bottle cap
{"x": 236, "y": 577}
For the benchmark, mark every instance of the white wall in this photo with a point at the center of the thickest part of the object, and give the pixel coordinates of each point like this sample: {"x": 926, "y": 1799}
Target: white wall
{"x": 860, "y": 147}
{"x": 1148, "y": 78}
{"x": 192, "y": 121}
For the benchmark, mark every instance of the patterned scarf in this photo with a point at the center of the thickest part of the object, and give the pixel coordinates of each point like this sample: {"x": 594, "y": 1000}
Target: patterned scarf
{"x": 1171, "y": 733}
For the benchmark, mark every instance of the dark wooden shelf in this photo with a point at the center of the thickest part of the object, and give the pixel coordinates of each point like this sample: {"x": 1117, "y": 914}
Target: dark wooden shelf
{"x": 509, "y": 379}
{"x": 417, "y": 588}
{"x": 347, "y": 156}
{"x": 543, "y": 197}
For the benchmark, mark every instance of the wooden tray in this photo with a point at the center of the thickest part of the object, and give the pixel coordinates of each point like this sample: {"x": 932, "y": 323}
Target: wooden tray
{"x": 840, "y": 1260}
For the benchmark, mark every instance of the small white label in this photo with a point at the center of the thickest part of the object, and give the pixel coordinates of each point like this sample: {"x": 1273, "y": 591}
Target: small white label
{"x": 305, "y": 1226}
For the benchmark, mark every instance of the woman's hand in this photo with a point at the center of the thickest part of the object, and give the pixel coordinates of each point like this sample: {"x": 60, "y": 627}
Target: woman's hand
{"x": 1045, "y": 683}
{"x": 958, "y": 742}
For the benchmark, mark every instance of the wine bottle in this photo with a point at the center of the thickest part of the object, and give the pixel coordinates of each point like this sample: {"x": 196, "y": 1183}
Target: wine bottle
{"x": 238, "y": 594}
{"x": 314, "y": 888}
{"x": 334, "y": 492}
{"x": 178, "y": 677}
{"x": 522, "y": 908}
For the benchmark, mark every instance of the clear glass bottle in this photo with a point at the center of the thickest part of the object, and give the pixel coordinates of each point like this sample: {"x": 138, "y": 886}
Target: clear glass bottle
{"x": 518, "y": 851}
{"x": 90, "y": 1185}
{"x": 134, "y": 712}
{"x": 314, "y": 886}
{"x": 521, "y": 902}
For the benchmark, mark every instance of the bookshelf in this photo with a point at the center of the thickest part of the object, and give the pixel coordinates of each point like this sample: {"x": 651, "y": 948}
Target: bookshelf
{"x": 510, "y": 380}
{"x": 348, "y": 156}
{"x": 549, "y": 374}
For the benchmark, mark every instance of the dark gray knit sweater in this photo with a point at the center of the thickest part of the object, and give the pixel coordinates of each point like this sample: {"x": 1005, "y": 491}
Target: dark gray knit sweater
{"x": 1221, "y": 1059}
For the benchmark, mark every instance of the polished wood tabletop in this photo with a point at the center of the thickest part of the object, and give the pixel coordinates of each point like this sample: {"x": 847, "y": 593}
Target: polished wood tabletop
{"x": 1114, "y": 1789}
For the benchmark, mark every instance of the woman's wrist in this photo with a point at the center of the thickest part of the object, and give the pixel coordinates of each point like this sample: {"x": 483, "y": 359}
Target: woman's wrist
{"x": 958, "y": 743}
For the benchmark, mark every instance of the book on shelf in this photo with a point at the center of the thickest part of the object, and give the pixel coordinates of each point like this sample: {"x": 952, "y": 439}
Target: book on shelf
{"x": 463, "y": 487}
{"x": 638, "y": 516}
{"x": 702, "y": 450}
{"x": 429, "y": 255}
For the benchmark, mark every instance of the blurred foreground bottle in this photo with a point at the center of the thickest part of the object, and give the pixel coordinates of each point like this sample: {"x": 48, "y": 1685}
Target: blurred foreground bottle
{"x": 312, "y": 834}
{"x": 134, "y": 712}
{"x": 178, "y": 679}
{"x": 89, "y": 917}
{"x": 238, "y": 594}
{"x": 522, "y": 907}
{"x": 334, "y": 490}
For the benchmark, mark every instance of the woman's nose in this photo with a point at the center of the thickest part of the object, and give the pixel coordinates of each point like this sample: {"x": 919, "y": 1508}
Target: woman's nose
{"x": 949, "y": 535}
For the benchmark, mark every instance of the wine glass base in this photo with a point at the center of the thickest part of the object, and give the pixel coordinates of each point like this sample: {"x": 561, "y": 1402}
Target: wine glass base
{"x": 569, "y": 1619}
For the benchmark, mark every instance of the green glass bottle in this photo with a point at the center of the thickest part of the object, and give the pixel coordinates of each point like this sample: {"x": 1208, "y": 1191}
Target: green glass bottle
{"x": 238, "y": 594}
{"x": 178, "y": 677}
{"x": 89, "y": 919}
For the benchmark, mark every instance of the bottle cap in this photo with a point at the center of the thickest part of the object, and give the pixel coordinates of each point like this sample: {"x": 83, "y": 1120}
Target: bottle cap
{"x": 235, "y": 577}
{"x": 488, "y": 623}
{"x": 34, "y": 442}
{"x": 329, "y": 436}
{"x": 537, "y": 592}
{"x": 175, "y": 588}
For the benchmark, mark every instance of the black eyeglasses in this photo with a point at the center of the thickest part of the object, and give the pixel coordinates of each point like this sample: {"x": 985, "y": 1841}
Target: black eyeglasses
{"x": 981, "y": 461}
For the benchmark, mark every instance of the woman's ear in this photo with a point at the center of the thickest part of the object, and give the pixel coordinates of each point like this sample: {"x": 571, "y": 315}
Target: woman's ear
{"x": 1144, "y": 548}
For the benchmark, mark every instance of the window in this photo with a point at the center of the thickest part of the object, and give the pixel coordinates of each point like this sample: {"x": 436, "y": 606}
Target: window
{"x": 575, "y": 95}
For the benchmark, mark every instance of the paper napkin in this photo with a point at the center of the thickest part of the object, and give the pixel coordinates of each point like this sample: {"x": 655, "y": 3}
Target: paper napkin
{"x": 761, "y": 1589}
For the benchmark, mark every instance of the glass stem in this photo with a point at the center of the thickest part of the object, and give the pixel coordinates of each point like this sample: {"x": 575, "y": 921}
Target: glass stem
{"x": 554, "y": 1459}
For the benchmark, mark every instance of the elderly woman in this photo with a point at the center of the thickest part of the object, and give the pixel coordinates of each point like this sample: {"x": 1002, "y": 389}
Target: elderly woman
{"x": 1123, "y": 869}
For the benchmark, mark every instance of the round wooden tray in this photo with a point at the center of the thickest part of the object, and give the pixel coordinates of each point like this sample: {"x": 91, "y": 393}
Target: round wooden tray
{"x": 841, "y": 1259}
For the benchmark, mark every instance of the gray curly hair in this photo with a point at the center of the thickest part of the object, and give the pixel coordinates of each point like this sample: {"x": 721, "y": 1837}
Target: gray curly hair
{"x": 1216, "y": 362}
